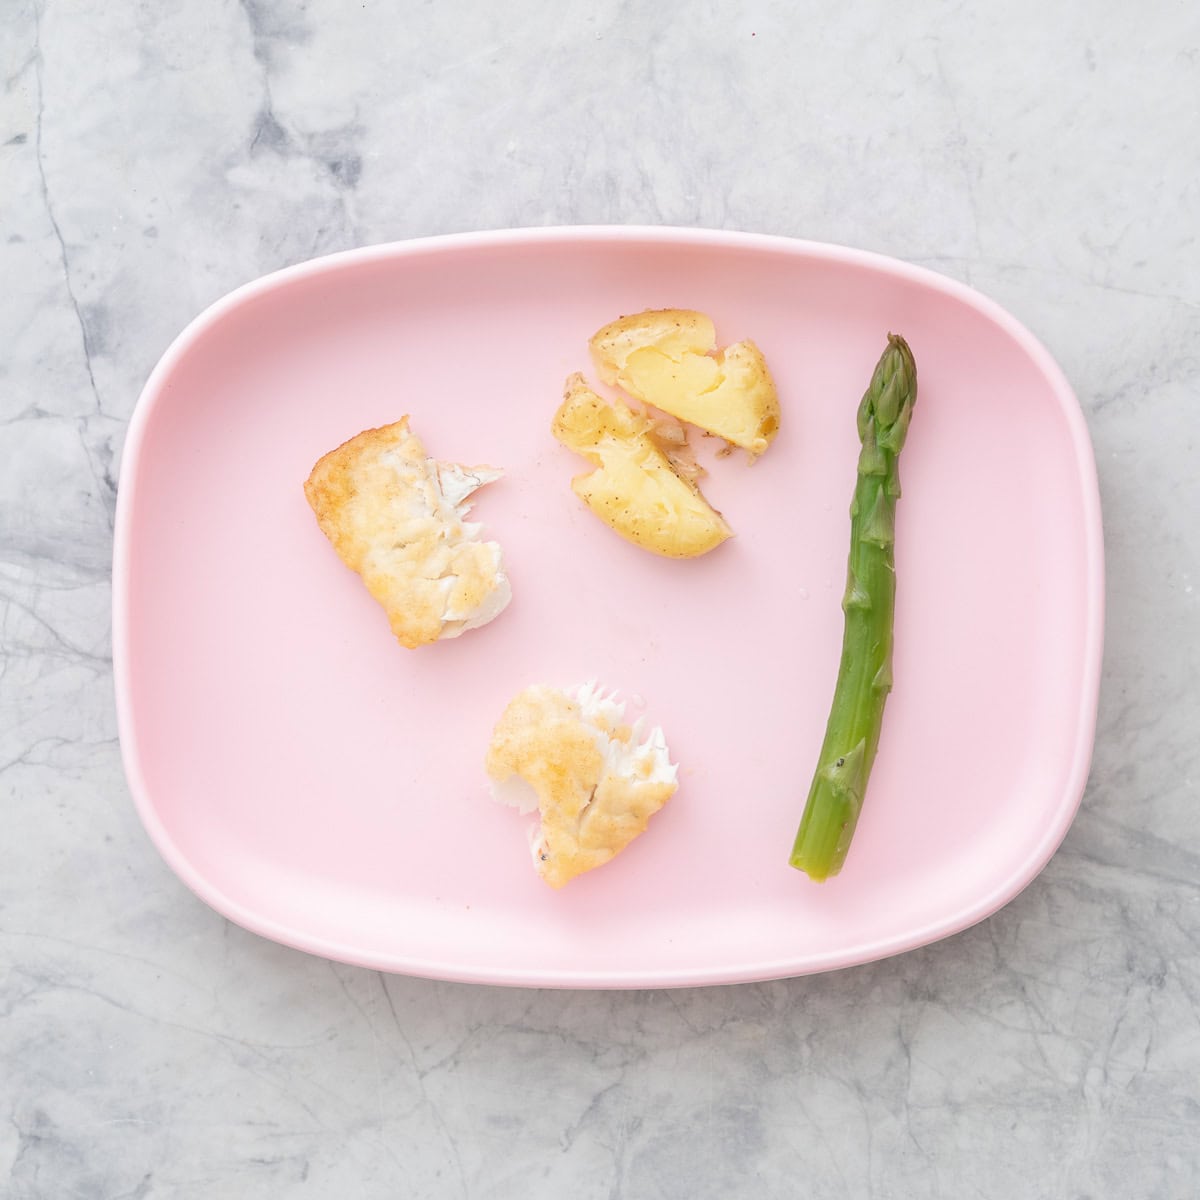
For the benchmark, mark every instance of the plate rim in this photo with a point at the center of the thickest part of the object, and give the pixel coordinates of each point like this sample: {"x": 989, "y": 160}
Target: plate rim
{"x": 456, "y": 970}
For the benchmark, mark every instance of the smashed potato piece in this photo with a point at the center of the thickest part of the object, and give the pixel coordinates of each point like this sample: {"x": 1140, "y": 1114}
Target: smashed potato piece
{"x": 571, "y": 756}
{"x": 634, "y": 488}
{"x": 395, "y": 516}
{"x": 669, "y": 358}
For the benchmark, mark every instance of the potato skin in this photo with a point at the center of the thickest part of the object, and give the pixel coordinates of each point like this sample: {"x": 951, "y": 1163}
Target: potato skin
{"x": 673, "y": 330}
{"x": 634, "y": 489}
{"x": 668, "y": 358}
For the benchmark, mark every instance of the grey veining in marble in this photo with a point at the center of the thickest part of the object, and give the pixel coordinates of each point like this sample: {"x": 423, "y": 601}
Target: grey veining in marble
{"x": 153, "y": 156}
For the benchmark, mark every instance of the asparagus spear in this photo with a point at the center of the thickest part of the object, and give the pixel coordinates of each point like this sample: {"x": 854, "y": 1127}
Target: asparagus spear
{"x": 865, "y": 674}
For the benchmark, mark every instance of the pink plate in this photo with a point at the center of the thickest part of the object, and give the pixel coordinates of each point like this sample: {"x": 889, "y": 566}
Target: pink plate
{"x": 318, "y": 784}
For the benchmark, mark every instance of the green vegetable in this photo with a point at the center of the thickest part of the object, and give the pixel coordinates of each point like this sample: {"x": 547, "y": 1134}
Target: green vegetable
{"x": 865, "y": 676}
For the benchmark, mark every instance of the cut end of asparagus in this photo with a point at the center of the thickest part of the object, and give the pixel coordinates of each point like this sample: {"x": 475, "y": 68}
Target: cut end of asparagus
{"x": 827, "y": 826}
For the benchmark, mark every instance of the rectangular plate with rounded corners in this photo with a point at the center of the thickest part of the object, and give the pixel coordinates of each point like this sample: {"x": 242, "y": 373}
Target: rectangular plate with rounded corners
{"x": 318, "y": 784}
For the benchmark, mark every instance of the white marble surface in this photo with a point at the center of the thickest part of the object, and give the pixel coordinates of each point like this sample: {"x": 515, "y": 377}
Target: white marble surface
{"x": 153, "y": 156}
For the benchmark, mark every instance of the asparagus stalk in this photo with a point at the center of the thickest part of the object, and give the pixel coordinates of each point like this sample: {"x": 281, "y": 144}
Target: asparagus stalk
{"x": 865, "y": 675}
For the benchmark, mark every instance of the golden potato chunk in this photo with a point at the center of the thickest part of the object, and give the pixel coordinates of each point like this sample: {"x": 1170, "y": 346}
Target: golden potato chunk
{"x": 634, "y": 488}
{"x": 669, "y": 358}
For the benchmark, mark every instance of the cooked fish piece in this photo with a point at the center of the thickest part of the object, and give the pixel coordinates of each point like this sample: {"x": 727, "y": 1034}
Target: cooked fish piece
{"x": 395, "y": 516}
{"x": 594, "y": 780}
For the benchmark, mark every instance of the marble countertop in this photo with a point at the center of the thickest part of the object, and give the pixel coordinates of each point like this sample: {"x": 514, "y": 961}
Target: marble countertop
{"x": 154, "y": 156}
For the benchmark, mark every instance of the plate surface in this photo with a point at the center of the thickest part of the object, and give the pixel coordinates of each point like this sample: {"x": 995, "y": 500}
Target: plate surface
{"x": 320, "y": 785}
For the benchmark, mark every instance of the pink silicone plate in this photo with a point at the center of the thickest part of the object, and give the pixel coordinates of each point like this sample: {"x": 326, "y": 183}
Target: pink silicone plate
{"x": 318, "y": 784}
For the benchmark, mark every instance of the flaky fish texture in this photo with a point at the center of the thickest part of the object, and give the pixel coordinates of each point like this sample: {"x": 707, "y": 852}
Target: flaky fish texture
{"x": 395, "y": 516}
{"x": 593, "y": 780}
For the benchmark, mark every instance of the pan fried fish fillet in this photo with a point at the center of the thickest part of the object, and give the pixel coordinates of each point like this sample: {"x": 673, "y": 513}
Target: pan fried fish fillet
{"x": 594, "y": 781}
{"x": 395, "y": 516}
